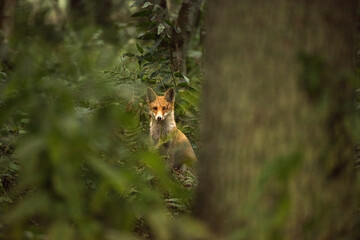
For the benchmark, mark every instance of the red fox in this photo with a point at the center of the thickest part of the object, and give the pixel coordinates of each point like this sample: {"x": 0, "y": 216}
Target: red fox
{"x": 163, "y": 129}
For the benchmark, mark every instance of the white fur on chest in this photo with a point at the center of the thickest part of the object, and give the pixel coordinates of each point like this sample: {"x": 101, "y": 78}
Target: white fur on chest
{"x": 161, "y": 129}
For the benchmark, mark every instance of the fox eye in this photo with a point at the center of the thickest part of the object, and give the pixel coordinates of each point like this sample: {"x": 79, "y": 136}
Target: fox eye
{"x": 163, "y": 108}
{"x": 155, "y": 108}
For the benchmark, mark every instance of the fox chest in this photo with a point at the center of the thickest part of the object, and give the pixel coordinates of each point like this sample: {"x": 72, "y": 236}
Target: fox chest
{"x": 158, "y": 132}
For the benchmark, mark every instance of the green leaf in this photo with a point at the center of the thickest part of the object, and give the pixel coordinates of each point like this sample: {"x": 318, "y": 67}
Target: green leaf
{"x": 156, "y": 44}
{"x": 3, "y": 75}
{"x": 185, "y": 78}
{"x": 143, "y": 13}
{"x": 166, "y": 79}
{"x": 34, "y": 204}
{"x": 169, "y": 22}
{"x": 182, "y": 84}
{"x": 146, "y": 25}
{"x": 160, "y": 29}
{"x": 128, "y": 55}
{"x": 5, "y": 199}
{"x": 137, "y": 3}
{"x": 140, "y": 49}
{"x": 177, "y": 29}
{"x": 154, "y": 74}
{"x": 147, "y": 4}
{"x": 147, "y": 64}
{"x": 14, "y": 166}
{"x": 120, "y": 180}
{"x": 148, "y": 36}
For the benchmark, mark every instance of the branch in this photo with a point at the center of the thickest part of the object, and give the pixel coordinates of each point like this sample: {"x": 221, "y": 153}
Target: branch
{"x": 186, "y": 21}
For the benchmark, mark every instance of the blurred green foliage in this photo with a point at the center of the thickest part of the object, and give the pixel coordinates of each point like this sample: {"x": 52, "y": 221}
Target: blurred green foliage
{"x": 76, "y": 161}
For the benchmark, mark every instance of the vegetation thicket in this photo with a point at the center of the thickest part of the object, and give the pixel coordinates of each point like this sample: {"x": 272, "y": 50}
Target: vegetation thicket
{"x": 265, "y": 91}
{"x": 76, "y": 161}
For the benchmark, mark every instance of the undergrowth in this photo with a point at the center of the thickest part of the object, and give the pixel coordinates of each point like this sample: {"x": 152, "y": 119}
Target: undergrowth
{"x": 75, "y": 156}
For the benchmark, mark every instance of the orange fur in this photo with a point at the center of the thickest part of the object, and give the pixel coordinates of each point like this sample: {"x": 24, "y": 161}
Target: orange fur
{"x": 163, "y": 126}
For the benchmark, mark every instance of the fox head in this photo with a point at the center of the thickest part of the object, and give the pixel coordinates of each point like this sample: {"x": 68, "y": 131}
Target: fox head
{"x": 160, "y": 106}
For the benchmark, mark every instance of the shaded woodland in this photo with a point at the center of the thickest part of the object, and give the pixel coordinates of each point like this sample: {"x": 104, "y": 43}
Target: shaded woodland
{"x": 267, "y": 92}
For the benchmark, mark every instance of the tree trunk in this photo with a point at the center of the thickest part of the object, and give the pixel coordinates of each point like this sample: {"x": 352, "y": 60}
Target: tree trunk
{"x": 77, "y": 4}
{"x": 7, "y": 9}
{"x": 186, "y": 21}
{"x": 277, "y": 156}
{"x": 77, "y": 9}
{"x": 103, "y": 12}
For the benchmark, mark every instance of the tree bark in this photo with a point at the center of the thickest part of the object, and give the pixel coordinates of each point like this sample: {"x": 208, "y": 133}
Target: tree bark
{"x": 77, "y": 4}
{"x": 7, "y": 9}
{"x": 278, "y": 125}
{"x": 77, "y": 9}
{"x": 103, "y": 9}
{"x": 186, "y": 22}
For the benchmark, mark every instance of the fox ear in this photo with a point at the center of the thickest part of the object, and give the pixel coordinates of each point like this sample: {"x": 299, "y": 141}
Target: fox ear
{"x": 170, "y": 95}
{"x": 151, "y": 95}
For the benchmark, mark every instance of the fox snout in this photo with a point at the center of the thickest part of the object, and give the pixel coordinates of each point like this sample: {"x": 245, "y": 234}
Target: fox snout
{"x": 159, "y": 116}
